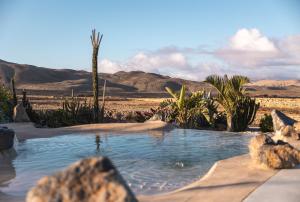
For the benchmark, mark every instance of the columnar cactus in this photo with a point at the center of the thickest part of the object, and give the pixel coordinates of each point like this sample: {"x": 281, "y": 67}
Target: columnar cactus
{"x": 96, "y": 40}
{"x": 15, "y": 99}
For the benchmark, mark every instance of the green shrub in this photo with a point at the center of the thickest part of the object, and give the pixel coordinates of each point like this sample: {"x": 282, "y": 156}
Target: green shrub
{"x": 196, "y": 110}
{"x": 73, "y": 112}
{"x": 240, "y": 109}
{"x": 266, "y": 123}
{"x": 6, "y": 104}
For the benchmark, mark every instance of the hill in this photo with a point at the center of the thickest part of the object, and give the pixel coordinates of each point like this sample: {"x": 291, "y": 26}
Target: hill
{"x": 48, "y": 81}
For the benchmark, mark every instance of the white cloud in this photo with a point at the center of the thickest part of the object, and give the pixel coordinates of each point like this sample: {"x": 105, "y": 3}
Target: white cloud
{"x": 248, "y": 52}
{"x": 251, "y": 40}
{"x": 108, "y": 66}
{"x": 249, "y": 48}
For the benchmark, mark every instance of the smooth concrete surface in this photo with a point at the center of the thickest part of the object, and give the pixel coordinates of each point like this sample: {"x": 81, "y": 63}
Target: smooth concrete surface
{"x": 284, "y": 186}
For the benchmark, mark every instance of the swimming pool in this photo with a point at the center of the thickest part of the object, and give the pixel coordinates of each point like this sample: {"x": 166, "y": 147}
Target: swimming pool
{"x": 152, "y": 162}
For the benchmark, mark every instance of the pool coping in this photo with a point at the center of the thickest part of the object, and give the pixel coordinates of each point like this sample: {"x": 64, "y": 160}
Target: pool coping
{"x": 231, "y": 179}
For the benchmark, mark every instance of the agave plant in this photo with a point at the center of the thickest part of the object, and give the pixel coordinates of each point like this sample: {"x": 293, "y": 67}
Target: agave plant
{"x": 194, "y": 111}
{"x": 180, "y": 100}
{"x": 240, "y": 109}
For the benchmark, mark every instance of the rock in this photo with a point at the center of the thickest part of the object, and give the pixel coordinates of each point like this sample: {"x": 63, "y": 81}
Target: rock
{"x": 20, "y": 114}
{"x": 156, "y": 117}
{"x": 91, "y": 179}
{"x": 6, "y": 138}
{"x": 283, "y": 126}
{"x": 297, "y": 127}
{"x": 264, "y": 151}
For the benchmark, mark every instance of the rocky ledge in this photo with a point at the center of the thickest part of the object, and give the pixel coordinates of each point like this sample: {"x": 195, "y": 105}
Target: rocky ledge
{"x": 91, "y": 179}
{"x": 6, "y": 138}
{"x": 266, "y": 152}
{"x": 285, "y": 127}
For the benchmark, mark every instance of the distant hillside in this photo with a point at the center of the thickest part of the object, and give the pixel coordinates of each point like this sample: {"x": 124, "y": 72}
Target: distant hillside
{"x": 276, "y": 83}
{"x": 48, "y": 81}
{"x": 60, "y": 81}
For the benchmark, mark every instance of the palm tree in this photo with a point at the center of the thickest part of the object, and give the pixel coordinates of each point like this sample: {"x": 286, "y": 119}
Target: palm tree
{"x": 96, "y": 41}
{"x": 240, "y": 109}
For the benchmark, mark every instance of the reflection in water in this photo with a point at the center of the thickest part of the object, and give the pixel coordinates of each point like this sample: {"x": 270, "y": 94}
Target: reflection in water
{"x": 158, "y": 135}
{"x": 98, "y": 141}
{"x": 7, "y": 170}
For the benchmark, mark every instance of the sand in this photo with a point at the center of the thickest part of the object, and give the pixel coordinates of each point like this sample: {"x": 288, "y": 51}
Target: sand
{"x": 231, "y": 179}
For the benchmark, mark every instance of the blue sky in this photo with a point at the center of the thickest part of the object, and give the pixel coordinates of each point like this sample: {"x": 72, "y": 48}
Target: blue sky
{"x": 152, "y": 35}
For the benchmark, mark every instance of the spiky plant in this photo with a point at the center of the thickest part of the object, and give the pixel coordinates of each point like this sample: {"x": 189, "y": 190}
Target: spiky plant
{"x": 182, "y": 117}
{"x": 96, "y": 41}
{"x": 240, "y": 109}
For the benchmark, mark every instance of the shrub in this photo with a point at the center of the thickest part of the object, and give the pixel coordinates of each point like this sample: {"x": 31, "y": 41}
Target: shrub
{"x": 240, "y": 109}
{"x": 266, "y": 123}
{"x": 196, "y": 110}
{"x": 73, "y": 112}
{"x": 6, "y": 104}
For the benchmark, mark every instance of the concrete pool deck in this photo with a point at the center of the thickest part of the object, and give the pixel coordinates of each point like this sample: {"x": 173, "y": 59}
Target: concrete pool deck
{"x": 283, "y": 186}
{"x": 233, "y": 179}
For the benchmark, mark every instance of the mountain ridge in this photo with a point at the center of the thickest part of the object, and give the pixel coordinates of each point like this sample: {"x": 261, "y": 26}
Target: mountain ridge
{"x": 49, "y": 81}
{"x": 32, "y": 77}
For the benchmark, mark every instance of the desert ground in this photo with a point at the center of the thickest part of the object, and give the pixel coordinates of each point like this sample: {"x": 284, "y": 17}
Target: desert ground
{"x": 290, "y": 106}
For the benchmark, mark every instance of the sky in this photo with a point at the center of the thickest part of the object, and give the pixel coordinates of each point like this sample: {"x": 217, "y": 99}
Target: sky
{"x": 189, "y": 39}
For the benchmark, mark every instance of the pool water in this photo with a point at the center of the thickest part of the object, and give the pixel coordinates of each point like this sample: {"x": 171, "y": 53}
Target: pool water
{"x": 150, "y": 162}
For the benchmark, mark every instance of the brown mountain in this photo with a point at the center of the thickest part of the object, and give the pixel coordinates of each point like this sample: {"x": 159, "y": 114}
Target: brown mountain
{"x": 48, "y": 81}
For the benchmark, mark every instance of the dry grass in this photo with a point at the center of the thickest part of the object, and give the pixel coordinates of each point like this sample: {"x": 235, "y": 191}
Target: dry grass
{"x": 290, "y": 106}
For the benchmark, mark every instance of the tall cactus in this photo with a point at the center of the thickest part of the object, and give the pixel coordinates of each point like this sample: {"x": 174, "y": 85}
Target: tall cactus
{"x": 103, "y": 102}
{"x": 96, "y": 40}
{"x": 15, "y": 99}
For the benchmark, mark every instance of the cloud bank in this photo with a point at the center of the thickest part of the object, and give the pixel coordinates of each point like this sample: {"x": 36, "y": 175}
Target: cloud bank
{"x": 247, "y": 52}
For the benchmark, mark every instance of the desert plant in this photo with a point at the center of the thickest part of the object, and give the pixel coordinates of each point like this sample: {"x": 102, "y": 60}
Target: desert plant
{"x": 103, "y": 102}
{"x": 194, "y": 111}
{"x": 240, "y": 109}
{"x": 6, "y": 104}
{"x": 266, "y": 123}
{"x": 180, "y": 107}
{"x": 32, "y": 114}
{"x": 15, "y": 99}
{"x": 244, "y": 113}
{"x": 96, "y": 41}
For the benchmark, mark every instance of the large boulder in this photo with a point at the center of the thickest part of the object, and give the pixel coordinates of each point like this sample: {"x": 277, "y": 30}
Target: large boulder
{"x": 284, "y": 126}
{"x": 277, "y": 155}
{"x": 91, "y": 179}
{"x": 20, "y": 114}
{"x": 7, "y": 137}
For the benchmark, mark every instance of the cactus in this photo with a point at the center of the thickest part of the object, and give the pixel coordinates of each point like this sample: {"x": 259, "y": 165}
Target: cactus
{"x": 77, "y": 112}
{"x": 244, "y": 113}
{"x": 24, "y": 98}
{"x": 15, "y": 99}
{"x": 96, "y": 40}
{"x": 71, "y": 107}
{"x": 103, "y": 103}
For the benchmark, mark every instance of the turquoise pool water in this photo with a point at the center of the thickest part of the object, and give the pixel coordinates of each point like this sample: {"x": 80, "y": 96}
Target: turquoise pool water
{"x": 149, "y": 162}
